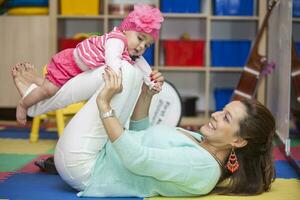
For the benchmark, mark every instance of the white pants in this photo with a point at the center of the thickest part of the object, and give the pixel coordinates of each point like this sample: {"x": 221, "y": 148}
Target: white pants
{"x": 84, "y": 136}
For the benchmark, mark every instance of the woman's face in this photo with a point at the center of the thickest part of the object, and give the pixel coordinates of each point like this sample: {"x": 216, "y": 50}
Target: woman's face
{"x": 222, "y": 128}
{"x": 138, "y": 42}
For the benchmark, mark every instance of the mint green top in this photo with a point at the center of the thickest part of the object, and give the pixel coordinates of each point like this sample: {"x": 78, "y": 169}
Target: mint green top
{"x": 151, "y": 161}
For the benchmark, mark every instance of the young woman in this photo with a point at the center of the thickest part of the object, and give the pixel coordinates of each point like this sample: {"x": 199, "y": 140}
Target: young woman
{"x": 99, "y": 157}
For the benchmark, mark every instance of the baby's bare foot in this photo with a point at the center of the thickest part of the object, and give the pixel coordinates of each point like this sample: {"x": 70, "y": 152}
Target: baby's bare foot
{"x": 21, "y": 114}
{"x": 31, "y": 74}
{"x": 21, "y": 83}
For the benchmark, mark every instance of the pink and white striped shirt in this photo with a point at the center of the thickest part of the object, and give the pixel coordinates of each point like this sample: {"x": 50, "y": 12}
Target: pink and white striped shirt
{"x": 99, "y": 50}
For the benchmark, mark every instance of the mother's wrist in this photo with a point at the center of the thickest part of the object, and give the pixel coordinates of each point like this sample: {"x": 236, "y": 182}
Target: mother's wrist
{"x": 103, "y": 105}
{"x": 147, "y": 95}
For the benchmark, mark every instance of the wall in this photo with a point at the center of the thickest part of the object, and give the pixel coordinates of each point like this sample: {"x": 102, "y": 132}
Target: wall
{"x": 22, "y": 38}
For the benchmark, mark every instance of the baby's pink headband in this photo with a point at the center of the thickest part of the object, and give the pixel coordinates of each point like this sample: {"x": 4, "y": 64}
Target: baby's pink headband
{"x": 143, "y": 18}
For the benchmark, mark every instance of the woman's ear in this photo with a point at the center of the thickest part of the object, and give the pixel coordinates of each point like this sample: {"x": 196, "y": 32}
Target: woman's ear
{"x": 239, "y": 142}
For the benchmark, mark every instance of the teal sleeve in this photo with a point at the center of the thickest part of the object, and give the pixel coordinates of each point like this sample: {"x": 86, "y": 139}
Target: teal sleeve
{"x": 139, "y": 125}
{"x": 172, "y": 164}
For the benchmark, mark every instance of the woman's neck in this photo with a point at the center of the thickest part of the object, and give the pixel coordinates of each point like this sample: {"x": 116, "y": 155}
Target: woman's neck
{"x": 220, "y": 153}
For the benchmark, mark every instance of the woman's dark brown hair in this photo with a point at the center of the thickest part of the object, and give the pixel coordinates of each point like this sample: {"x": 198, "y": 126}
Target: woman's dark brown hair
{"x": 256, "y": 171}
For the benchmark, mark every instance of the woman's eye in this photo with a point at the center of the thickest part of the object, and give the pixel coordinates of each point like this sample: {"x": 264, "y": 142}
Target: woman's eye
{"x": 140, "y": 38}
{"x": 226, "y": 118}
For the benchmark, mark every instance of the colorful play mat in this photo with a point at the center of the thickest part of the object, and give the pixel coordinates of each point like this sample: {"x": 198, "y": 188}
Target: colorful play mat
{"x": 21, "y": 179}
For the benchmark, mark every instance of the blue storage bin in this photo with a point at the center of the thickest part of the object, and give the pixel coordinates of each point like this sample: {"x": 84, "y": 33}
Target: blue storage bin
{"x": 26, "y": 3}
{"x": 149, "y": 55}
{"x": 233, "y": 7}
{"x": 180, "y": 6}
{"x": 229, "y": 53}
{"x": 222, "y": 97}
{"x": 296, "y": 8}
{"x": 298, "y": 47}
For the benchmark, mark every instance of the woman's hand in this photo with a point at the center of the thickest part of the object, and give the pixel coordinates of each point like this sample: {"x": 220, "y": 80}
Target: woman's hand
{"x": 113, "y": 86}
{"x": 142, "y": 106}
{"x": 158, "y": 79}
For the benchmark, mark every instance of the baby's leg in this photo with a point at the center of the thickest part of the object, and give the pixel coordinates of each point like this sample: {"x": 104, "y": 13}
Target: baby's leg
{"x": 77, "y": 89}
{"x": 45, "y": 91}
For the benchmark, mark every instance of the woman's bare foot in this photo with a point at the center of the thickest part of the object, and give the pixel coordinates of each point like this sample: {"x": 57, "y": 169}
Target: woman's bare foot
{"x": 31, "y": 74}
{"x": 21, "y": 113}
{"x": 21, "y": 83}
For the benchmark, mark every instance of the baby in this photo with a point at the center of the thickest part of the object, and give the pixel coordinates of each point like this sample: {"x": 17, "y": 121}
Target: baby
{"x": 127, "y": 42}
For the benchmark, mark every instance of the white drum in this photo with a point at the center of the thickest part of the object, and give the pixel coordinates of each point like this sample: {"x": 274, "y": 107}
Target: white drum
{"x": 166, "y": 106}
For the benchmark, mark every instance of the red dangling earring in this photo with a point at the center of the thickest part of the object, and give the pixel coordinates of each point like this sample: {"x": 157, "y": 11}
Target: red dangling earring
{"x": 232, "y": 163}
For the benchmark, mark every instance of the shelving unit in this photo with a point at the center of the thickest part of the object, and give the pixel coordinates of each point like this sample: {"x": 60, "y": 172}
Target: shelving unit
{"x": 204, "y": 23}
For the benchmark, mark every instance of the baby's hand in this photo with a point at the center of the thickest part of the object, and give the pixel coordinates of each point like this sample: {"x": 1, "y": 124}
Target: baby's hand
{"x": 157, "y": 80}
{"x": 156, "y": 87}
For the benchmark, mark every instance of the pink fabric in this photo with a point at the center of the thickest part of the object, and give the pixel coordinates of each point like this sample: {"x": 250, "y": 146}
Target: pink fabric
{"x": 143, "y": 18}
{"x": 62, "y": 67}
{"x": 92, "y": 50}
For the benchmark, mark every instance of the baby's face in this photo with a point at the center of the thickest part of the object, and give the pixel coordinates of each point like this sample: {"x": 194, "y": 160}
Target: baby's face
{"x": 138, "y": 42}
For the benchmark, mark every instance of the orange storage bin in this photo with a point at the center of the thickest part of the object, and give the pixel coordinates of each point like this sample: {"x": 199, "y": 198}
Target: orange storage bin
{"x": 80, "y": 7}
{"x": 184, "y": 52}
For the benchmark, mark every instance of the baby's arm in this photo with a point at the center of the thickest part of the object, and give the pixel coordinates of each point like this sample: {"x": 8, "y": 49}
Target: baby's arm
{"x": 113, "y": 53}
{"x": 113, "y": 56}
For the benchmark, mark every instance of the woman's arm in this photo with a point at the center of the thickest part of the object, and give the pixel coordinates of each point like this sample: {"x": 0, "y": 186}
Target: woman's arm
{"x": 141, "y": 109}
{"x": 113, "y": 85}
